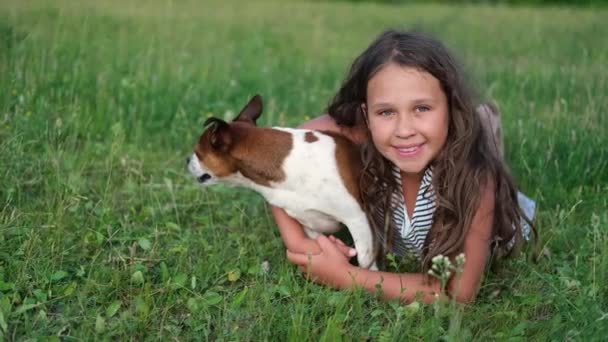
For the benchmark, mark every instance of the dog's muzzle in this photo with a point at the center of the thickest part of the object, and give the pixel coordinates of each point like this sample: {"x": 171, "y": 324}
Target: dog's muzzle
{"x": 205, "y": 177}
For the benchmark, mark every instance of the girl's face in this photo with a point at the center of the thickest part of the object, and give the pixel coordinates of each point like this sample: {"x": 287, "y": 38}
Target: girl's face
{"x": 407, "y": 115}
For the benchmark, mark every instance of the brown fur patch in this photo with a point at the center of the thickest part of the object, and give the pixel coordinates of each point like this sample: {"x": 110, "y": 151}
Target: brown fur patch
{"x": 349, "y": 163}
{"x": 258, "y": 153}
{"x": 218, "y": 163}
{"x": 310, "y": 137}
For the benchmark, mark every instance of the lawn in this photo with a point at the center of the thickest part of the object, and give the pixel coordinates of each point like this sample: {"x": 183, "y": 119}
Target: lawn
{"x": 104, "y": 235}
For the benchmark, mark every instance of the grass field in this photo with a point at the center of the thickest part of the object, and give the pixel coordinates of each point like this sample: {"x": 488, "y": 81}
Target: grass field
{"x": 104, "y": 235}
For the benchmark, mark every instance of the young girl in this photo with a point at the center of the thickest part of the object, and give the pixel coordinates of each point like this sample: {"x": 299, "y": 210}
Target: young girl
{"x": 433, "y": 180}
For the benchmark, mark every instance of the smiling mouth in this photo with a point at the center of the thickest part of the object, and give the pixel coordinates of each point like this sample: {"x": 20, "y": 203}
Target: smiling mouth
{"x": 409, "y": 151}
{"x": 204, "y": 177}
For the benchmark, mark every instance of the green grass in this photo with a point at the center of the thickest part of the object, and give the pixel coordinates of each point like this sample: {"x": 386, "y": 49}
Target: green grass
{"x": 104, "y": 235}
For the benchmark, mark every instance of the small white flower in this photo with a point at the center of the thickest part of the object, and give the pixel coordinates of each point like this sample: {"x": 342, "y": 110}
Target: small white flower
{"x": 460, "y": 259}
{"x": 265, "y": 266}
{"x": 437, "y": 259}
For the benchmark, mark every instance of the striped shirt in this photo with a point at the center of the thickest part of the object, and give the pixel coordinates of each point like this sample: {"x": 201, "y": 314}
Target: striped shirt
{"x": 412, "y": 232}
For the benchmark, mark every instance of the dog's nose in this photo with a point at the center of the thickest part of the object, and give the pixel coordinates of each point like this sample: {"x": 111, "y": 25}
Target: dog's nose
{"x": 187, "y": 160}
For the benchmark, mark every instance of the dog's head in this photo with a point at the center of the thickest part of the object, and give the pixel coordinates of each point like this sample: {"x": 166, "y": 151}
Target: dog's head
{"x": 211, "y": 160}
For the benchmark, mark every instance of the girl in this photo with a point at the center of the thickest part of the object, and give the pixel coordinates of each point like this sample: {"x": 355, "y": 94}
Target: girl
{"x": 433, "y": 180}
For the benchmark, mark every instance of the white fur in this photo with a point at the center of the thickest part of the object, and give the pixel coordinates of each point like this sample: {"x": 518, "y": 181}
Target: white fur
{"x": 195, "y": 167}
{"x": 313, "y": 192}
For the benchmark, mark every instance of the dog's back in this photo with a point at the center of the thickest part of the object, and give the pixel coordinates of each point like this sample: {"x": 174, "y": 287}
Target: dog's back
{"x": 312, "y": 175}
{"x": 320, "y": 188}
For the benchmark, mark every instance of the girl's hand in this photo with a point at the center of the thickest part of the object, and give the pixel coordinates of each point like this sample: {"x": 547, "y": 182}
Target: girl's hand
{"x": 330, "y": 267}
{"x": 348, "y": 251}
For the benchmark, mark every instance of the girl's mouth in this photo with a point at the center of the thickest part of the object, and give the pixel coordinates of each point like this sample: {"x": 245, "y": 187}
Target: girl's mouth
{"x": 408, "y": 151}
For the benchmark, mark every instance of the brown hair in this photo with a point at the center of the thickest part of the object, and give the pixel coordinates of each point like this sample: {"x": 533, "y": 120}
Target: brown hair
{"x": 466, "y": 164}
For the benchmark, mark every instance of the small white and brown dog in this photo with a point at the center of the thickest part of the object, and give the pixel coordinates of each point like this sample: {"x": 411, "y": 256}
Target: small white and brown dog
{"x": 312, "y": 175}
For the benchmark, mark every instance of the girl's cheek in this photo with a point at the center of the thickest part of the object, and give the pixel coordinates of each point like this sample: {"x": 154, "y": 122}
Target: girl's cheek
{"x": 379, "y": 125}
{"x": 378, "y": 134}
{"x": 372, "y": 127}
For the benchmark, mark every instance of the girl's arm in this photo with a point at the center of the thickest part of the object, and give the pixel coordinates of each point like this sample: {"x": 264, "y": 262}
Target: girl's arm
{"x": 296, "y": 240}
{"x": 332, "y": 268}
{"x": 292, "y": 233}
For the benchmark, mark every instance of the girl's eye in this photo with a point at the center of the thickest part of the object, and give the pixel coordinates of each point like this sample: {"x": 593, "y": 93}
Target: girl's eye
{"x": 422, "y": 108}
{"x": 385, "y": 113}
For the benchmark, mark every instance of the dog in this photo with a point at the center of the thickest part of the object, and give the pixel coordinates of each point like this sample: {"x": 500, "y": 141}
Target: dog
{"x": 312, "y": 175}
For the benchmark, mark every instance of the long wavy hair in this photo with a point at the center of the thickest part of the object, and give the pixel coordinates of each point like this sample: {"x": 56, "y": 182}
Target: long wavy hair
{"x": 466, "y": 164}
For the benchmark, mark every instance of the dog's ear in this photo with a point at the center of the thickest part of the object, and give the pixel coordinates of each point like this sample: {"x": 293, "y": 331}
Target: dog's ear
{"x": 220, "y": 136}
{"x": 252, "y": 111}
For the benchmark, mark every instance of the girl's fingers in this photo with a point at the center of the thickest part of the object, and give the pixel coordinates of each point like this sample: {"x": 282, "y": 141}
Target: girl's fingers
{"x": 326, "y": 244}
{"x": 347, "y": 251}
{"x": 298, "y": 258}
{"x": 336, "y": 240}
{"x": 344, "y": 248}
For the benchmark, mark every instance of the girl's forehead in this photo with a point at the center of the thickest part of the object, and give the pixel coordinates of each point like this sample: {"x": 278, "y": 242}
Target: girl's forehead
{"x": 393, "y": 68}
{"x": 394, "y": 80}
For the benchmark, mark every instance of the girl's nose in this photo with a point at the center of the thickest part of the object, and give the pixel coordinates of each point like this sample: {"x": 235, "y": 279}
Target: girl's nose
{"x": 404, "y": 127}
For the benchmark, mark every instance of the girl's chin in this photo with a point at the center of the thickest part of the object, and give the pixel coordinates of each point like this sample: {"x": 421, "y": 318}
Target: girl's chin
{"x": 410, "y": 167}
{"x": 412, "y": 171}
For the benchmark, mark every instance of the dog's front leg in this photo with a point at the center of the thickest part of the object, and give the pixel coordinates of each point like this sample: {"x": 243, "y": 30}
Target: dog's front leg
{"x": 364, "y": 241}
